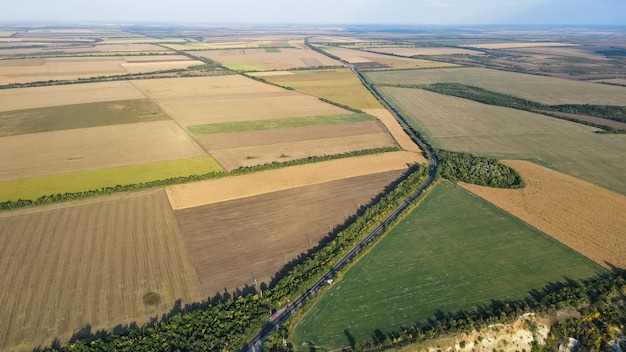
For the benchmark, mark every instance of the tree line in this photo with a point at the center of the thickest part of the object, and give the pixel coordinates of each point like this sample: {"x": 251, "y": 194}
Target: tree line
{"x": 478, "y": 170}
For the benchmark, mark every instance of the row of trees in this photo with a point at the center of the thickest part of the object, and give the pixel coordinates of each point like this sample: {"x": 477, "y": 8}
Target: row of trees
{"x": 62, "y": 197}
{"x": 483, "y": 171}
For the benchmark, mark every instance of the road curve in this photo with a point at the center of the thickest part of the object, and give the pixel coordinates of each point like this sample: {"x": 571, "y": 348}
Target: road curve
{"x": 255, "y": 344}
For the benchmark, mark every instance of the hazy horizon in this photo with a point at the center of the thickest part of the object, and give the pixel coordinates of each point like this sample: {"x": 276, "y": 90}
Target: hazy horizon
{"x": 382, "y": 12}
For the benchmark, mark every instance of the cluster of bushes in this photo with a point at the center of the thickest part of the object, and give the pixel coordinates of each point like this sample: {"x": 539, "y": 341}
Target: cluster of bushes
{"x": 57, "y": 198}
{"x": 483, "y": 171}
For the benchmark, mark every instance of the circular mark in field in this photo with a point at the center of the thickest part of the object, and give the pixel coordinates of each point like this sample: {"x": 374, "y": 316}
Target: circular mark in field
{"x": 151, "y": 299}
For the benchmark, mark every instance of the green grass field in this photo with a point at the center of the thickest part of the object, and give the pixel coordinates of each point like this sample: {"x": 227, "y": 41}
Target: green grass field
{"x": 58, "y": 118}
{"x": 467, "y": 126}
{"x": 338, "y": 85}
{"x": 271, "y": 124}
{"x": 454, "y": 252}
{"x": 542, "y": 89}
{"x": 91, "y": 180}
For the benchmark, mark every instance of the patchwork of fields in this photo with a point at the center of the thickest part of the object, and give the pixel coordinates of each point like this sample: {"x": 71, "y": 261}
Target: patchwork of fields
{"x": 268, "y": 59}
{"x": 368, "y": 60}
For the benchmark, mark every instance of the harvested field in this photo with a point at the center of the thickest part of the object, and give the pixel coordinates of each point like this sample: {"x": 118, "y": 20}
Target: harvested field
{"x": 237, "y": 187}
{"x": 264, "y": 154}
{"x": 112, "y": 48}
{"x": 87, "y": 266}
{"x": 404, "y": 141}
{"x": 270, "y": 73}
{"x": 512, "y": 45}
{"x": 60, "y": 152}
{"x": 464, "y": 125}
{"x": 407, "y": 51}
{"x": 591, "y": 119}
{"x": 251, "y": 44}
{"x": 359, "y": 57}
{"x": 229, "y": 253}
{"x": 57, "y": 118}
{"x": 39, "y": 97}
{"x": 32, "y": 70}
{"x": 568, "y": 51}
{"x": 620, "y": 81}
{"x": 205, "y": 100}
{"x": 264, "y": 60}
{"x": 580, "y": 215}
{"x": 542, "y": 89}
{"x": 338, "y": 85}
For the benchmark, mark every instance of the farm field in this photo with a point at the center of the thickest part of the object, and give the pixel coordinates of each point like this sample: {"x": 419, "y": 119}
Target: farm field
{"x": 245, "y": 44}
{"x": 88, "y": 266}
{"x": 337, "y": 85}
{"x": 229, "y": 253}
{"x": 546, "y": 90}
{"x": 33, "y": 188}
{"x": 582, "y": 216}
{"x": 249, "y": 185}
{"x": 368, "y": 60}
{"x": 65, "y": 117}
{"x": 512, "y": 45}
{"x": 404, "y": 141}
{"x": 84, "y": 149}
{"x": 567, "y": 51}
{"x": 454, "y": 252}
{"x": 408, "y": 51}
{"x": 463, "y": 125}
{"x": 268, "y": 58}
{"x": 208, "y": 100}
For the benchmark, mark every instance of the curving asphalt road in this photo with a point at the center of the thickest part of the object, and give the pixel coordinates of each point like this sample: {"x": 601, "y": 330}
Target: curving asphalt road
{"x": 256, "y": 343}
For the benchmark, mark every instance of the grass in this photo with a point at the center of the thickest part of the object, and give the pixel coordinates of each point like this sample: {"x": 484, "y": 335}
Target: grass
{"x": 466, "y": 126}
{"x": 338, "y": 85}
{"x": 454, "y": 252}
{"x": 58, "y": 118}
{"x": 542, "y": 89}
{"x": 90, "y": 180}
{"x": 261, "y": 125}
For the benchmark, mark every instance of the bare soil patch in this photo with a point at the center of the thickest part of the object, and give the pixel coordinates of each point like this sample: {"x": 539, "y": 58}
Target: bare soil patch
{"x": 237, "y": 187}
{"x": 584, "y": 217}
{"x": 233, "y": 243}
{"x": 96, "y": 264}
{"x": 60, "y": 152}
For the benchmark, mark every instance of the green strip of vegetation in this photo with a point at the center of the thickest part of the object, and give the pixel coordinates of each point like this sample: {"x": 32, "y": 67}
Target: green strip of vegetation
{"x": 61, "y": 188}
{"x": 483, "y": 171}
{"x": 271, "y": 124}
{"x": 455, "y": 252}
{"x": 609, "y": 112}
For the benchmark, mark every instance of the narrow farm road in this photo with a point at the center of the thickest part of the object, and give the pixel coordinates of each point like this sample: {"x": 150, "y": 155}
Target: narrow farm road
{"x": 256, "y": 343}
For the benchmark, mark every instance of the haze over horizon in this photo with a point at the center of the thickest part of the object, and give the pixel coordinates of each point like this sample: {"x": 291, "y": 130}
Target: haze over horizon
{"x": 401, "y": 12}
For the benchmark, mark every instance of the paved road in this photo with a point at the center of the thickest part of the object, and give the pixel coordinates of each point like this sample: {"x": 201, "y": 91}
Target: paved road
{"x": 256, "y": 343}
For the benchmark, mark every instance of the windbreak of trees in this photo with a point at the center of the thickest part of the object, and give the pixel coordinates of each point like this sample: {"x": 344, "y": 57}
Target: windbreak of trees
{"x": 58, "y": 198}
{"x": 609, "y": 112}
{"x": 482, "y": 171}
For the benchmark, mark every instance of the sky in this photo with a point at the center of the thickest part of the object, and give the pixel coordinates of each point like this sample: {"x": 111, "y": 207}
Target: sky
{"x": 406, "y": 12}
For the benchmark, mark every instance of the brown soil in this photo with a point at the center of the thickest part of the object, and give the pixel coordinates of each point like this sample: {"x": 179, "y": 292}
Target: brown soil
{"x": 233, "y": 243}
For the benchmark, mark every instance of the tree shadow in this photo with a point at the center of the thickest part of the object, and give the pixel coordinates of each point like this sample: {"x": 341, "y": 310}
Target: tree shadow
{"x": 351, "y": 340}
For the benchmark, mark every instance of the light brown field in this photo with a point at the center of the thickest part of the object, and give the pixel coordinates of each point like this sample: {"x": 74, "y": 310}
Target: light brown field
{"x": 621, "y": 81}
{"x": 202, "y": 100}
{"x": 38, "y": 97}
{"x": 360, "y": 57}
{"x": 89, "y": 264}
{"x": 260, "y": 58}
{"x": 394, "y": 128}
{"x": 569, "y": 51}
{"x": 270, "y": 73}
{"x": 59, "y": 152}
{"x": 107, "y": 48}
{"x": 233, "y": 243}
{"x": 31, "y": 70}
{"x": 237, "y": 187}
{"x": 404, "y": 51}
{"x": 517, "y": 45}
{"x": 585, "y": 217}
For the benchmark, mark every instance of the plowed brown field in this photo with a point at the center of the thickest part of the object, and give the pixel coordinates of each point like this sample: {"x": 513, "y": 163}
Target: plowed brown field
{"x": 584, "y": 217}
{"x": 233, "y": 243}
{"x": 89, "y": 264}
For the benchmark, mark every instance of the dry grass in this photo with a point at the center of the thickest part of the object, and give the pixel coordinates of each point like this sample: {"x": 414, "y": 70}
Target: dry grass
{"x": 263, "y": 60}
{"x": 238, "y": 187}
{"x": 360, "y": 57}
{"x": 517, "y": 45}
{"x": 59, "y": 152}
{"x": 38, "y": 97}
{"x": 233, "y": 243}
{"x": 204, "y": 100}
{"x": 582, "y": 216}
{"x": 89, "y": 264}
{"x": 404, "y": 141}
{"x": 404, "y": 51}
